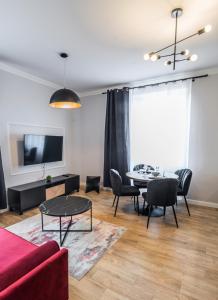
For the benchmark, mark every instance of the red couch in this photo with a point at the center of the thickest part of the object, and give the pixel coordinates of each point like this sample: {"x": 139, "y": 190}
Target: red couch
{"x": 30, "y": 272}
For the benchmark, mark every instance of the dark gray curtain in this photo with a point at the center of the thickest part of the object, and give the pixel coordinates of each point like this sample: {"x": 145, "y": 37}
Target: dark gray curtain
{"x": 3, "y": 201}
{"x": 117, "y": 143}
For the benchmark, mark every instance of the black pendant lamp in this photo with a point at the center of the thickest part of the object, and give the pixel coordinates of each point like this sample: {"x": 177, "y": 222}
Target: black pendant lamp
{"x": 65, "y": 98}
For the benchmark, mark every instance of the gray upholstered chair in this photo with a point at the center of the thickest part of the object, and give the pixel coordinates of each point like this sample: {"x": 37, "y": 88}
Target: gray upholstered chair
{"x": 185, "y": 176}
{"x": 161, "y": 192}
{"x": 180, "y": 174}
{"x": 139, "y": 167}
{"x": 120, "y": 189}
{"x": 140, "y": 184}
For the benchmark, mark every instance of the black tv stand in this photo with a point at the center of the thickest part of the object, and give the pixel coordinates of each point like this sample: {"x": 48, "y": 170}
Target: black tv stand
{"x": 29, "y": 195}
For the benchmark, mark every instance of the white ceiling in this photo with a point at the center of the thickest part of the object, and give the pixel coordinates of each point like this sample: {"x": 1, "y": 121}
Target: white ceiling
{"x": 106, "y": 39}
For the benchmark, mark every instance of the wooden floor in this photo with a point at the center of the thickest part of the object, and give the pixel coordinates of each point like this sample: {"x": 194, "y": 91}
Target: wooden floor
{"x": 160, "y": 263}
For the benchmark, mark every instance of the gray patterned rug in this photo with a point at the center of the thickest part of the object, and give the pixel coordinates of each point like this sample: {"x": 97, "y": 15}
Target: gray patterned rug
{"x": 85, "y": 248}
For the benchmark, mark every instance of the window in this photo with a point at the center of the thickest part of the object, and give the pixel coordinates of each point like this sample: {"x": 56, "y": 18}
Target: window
{"x": 159, "y": 125}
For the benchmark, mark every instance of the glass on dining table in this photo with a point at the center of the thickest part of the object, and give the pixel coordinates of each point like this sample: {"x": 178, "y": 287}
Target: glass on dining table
{"x": 148, "y": 169}
{"x": 142, "y": 170}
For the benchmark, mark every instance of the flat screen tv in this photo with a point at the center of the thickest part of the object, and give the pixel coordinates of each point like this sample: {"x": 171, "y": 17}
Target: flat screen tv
{"x": 40, "y": 149}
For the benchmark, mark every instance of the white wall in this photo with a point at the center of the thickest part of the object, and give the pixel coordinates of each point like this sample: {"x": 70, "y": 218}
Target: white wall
{"x": 25, "y": 101}
{"x": 203, "y": 151}
{"x": 89, "y": 137}
{"x": 203, "y": 154}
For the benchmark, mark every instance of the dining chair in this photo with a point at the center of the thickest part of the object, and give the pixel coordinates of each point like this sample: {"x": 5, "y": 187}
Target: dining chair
{"x": 161, "y": 192}
{"x": 140, "y": 184}
{"x": 185, "y": 176}
{"x": 142, "y": 166}
{"x": 139, "y": 167}
{"x": 119, "y": 190}
{"x": 180, "y": 174}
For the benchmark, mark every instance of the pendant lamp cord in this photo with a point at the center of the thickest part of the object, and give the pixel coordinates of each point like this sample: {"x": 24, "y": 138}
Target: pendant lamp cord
{"x": 64, "y": 72}
{"x": 175, "y": 42}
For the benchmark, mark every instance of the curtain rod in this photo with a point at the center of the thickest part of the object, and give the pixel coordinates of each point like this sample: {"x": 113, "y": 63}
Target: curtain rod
{"x": 169, "y": 81}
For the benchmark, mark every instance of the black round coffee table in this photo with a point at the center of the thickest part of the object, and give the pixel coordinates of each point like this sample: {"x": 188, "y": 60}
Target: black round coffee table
{"x": 66, "y": 206}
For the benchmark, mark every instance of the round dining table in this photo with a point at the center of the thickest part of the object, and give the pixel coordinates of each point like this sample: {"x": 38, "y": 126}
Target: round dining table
{"x": 143, "y": 176}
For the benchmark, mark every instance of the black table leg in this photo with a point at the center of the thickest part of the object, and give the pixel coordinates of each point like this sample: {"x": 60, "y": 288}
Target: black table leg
{"x": 67, "y": 230}
{"x": 91, "y": 218}
{"x": 42, "y": 222}
{"x": 155, "y": 211}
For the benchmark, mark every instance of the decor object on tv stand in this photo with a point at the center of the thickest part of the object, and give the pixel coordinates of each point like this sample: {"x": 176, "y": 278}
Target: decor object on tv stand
{"x": 93, "y": 183}
{"x": 29, "y": 195}
{"x": 49, "y": 178}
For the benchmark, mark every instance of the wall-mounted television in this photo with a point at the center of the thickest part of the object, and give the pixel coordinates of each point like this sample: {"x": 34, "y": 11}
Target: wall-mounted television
{"x": 40, "y": 149}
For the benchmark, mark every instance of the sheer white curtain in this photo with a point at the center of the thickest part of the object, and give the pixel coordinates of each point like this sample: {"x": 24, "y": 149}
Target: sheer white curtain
{"x": 159, "y": 125}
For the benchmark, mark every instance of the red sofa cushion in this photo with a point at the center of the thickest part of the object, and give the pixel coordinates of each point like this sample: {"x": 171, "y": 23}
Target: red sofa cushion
{"x": 13, "y": 248}
{"x": 20, "y": 257}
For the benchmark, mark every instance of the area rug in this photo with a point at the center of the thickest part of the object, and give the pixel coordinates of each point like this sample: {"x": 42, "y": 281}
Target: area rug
{"x": 85, "y": 248}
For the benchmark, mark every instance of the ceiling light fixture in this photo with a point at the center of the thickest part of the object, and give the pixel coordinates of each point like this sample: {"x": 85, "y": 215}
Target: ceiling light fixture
{"x": 154, "y": 56}
{"x": 65, "y": 98}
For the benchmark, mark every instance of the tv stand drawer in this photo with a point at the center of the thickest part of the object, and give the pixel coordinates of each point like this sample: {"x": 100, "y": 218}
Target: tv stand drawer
{"x": 55, "y": 191}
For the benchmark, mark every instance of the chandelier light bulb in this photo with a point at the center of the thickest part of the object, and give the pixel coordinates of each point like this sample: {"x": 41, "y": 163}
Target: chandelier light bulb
{"x": 154, "y": 57}
{"x": 167, "y": 63}
{"x": 193, "y": 57}
{"x": 185, "y": 52}
{"x": 207, "y": 28}
{"x": 147, "y": 56}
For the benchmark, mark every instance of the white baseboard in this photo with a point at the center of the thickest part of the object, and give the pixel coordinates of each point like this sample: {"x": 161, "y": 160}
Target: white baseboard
{"x": 3, "y": 210}
{"x": 203, "y": 203}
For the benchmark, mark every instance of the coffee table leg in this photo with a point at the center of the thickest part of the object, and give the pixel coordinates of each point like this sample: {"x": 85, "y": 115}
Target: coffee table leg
{"x": 91, "y": 218}
{"x": 67, "y": 230}
{"x": 42, "y": 222}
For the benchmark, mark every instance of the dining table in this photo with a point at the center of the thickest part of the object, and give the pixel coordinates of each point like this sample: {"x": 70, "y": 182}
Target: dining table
{"x": 146, "y": 176}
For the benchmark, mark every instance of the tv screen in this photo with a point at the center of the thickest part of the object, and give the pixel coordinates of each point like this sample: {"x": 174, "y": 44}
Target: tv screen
{"x": 39, "y": 149}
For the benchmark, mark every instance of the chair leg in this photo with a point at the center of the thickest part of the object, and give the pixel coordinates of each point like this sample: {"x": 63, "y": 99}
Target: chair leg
{"x": 114, "y": 200}
{"x": 134, "y": 202}
{"x": 175, "y": 216}
{"x": 164, "y": 210}
{"x": 149, "y": 214}
{"x": 186, "y": 203}
{"x": 143, "y": 208}
{"x": 132, "y": 198}
{"x": 138, "y": 204}
{"x": 115, "y": 212}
